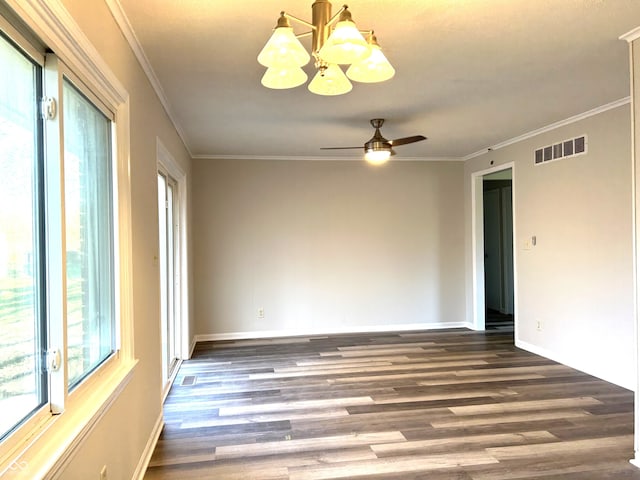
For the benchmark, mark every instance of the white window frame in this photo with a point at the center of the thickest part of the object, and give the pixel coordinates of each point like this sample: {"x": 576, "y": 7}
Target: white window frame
{"x": 44, "y": 444}
{"x": 39, "y": 417}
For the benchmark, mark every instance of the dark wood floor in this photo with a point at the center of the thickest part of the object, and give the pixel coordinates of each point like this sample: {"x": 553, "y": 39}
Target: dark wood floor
{"x": 455, "y": 405}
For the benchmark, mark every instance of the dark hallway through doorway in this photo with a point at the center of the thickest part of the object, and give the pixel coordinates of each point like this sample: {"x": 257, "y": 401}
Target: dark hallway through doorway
{"x": 498, "y": 250}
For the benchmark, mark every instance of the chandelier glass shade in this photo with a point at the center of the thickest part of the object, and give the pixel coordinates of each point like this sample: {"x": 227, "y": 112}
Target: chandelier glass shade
{"x": 330, "y": 81}
{"x": 284, "y": 55}
{"x": 346, "y": 44}
{"x": 283, "y": 77}
{"x": 283, "y": 49}
{"x": 374, "y": 68}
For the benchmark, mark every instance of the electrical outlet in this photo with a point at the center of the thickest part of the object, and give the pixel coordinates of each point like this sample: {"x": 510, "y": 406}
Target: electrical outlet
{"x": 103, "y": 473}
{"x": 261, "y": 312}
{"x": 539, "y": 325}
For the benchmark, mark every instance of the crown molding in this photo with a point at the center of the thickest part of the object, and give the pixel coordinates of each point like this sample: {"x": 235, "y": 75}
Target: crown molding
{"x": 631, "y": 36}
{"x": 320, "y": 158}
{"x": 127, "y": 30}
{"x": 551, "y": 127}
{"x": 525, "y": 136}
{"x": 54, "y": 25}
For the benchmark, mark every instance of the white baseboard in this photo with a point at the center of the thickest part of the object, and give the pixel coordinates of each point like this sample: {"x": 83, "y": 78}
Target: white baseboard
{"x": 334, "y": 331}
{"x": 169, "y": 383}
{"x": 192, "y": 347}
{"x": 149, "y": 448}
{"x": 543, "y": 352}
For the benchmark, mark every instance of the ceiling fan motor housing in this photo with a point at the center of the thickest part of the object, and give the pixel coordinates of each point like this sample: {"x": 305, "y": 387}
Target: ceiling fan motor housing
{"x": 377, "y": 142}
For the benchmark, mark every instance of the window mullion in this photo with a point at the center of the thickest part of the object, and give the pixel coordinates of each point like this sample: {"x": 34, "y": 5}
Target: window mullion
{"x": 55, "y": 227}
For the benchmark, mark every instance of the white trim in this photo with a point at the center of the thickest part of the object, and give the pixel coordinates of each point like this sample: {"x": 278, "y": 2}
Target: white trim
{"x": 213, "y": 337}
{"x": 631, "y": 35}
{"x": 525, "y": 136}
{"x": 127, "y": 30}
{"x": 559, "y": 358}
{"x": 635, "y": 245}
{"x": 50, "y": 450}
{"x": 31, "y": 47}
{"x": 143, "y": 464}
{"x": 168, "y": 162}
{"x": 121, "y": 380}
{"x": 477, "y": 249}
{"x": 169, "y": 383}
{"x": 477, "y": 245}
{"x": 346, "y": 158}
{"x": 124, "y": 233}
{"x": 192, "y": 347}
{"x": 553, "y": 126}
{"x": 57, "y": 29}
{"x": 514, "y": 247}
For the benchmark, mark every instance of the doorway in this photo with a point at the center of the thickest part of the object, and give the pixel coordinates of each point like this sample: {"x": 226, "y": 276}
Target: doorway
{"x": 173, "y": 265}
{"x": 498, "y": 249}
{"x": 494, "y": 289}
{"x": 169, "y": 279}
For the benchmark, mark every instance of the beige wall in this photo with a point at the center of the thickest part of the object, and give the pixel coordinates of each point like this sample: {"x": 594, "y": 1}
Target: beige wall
{"x": 578, "y": 279}
{"x": 326, "y": 246}
{"x": 120, "y": 437}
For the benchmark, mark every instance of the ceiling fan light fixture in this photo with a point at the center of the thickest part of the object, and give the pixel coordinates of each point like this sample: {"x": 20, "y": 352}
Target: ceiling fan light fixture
{"x": 283, "y": 49}
{"x": 283, "y": 77}
{"x": 330, "y": 80}
{"x": 346, "y": 44}
{"x": 377, "y": 156}
{"x": 378, "y": 149}
{"x": 375, "y": 68}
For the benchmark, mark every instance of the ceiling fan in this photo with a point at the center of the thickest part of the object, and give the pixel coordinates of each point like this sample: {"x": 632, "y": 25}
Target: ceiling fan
{"x": 378, "y": 149}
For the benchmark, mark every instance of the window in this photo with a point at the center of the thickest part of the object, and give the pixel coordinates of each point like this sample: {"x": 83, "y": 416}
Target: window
{"x": 23, "y": 383}
{"x": 65, "y": 237}
{"x": 88, "y": 234}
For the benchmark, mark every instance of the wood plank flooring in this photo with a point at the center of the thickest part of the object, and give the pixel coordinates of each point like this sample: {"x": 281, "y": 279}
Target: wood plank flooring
{"x": 455, "y": 405}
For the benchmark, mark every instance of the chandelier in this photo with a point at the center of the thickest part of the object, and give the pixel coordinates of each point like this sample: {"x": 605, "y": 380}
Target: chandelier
{"x": 284, "y": 56}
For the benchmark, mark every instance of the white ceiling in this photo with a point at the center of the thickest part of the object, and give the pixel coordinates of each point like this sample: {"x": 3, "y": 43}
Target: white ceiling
{"x": 470, "y": 74}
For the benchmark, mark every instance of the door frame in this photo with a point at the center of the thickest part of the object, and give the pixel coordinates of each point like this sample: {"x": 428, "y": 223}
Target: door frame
{"x": 477, "y": 246}
{"x": 166, "y": 164}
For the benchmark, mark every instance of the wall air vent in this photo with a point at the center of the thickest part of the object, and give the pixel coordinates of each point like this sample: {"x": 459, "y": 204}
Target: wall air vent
{"x": 567, "y": 148}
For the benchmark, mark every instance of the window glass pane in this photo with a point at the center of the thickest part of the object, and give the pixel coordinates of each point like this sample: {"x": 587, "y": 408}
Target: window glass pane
{"x": 88, "y": 234}
{"x": 22, "y": 381}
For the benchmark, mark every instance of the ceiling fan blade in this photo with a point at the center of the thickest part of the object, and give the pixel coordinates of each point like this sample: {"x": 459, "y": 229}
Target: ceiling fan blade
{"x": 341, "y": 148}
{"x": 406, "y": 140}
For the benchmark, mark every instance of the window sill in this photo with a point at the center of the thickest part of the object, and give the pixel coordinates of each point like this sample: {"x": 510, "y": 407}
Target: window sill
{"x": 46, "y": 452}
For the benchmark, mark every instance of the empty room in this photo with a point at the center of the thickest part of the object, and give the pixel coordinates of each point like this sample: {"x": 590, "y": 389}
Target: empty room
{"x": 304, "y": 240}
